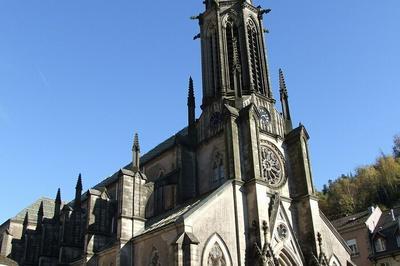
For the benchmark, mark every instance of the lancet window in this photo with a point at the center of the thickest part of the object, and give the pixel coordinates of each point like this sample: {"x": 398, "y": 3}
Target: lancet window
{"x": 255, "y": 58}
{"x": 234, "y": 56}
{"x": 212, "y": 44}
{"x": 218, "y": 168}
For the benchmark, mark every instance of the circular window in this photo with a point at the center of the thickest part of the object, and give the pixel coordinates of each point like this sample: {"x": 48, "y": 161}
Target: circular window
{"x": 272, "y": 167}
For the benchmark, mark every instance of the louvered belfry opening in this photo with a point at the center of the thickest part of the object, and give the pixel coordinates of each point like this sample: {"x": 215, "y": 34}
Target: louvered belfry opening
{"x": 255, "y": 62}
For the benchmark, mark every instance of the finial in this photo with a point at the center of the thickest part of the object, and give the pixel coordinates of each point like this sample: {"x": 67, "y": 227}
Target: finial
{"x": 265, "y": 229}
{"x": 58, "y": 197}
{"x": 79, "y": 183}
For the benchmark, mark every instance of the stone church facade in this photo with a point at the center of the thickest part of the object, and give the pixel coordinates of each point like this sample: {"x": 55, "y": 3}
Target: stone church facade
{"x": 232, "y": 188}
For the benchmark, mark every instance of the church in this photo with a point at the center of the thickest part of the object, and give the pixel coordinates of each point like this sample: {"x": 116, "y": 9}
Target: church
{"x": 234, "y": 187}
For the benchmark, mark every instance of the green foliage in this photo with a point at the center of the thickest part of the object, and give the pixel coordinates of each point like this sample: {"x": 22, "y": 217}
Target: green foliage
{"x": 377, "y": 184}
{"x": 396, "y": 146}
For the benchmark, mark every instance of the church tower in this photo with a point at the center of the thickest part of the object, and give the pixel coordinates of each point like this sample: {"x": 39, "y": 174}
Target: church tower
{"x": 247, "y": 138}
{"x": 233, "y": 54}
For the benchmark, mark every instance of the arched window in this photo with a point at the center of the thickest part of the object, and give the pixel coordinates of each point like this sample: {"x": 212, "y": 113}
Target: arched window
{"x": 218, "y": 168}
{"x": 255, "y": 58}
{"x": 286, "y": 259}
{"x": 234, "y": 56}
{"x": 215, "y": 253}
{"x": 216, "y": 256}
{"x": 212, "y": 48}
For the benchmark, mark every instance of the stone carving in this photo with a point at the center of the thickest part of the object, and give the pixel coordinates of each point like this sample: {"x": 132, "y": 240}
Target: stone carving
{"x": 272, "y": 167}
{"x": 264, "y": 254}
{"x": 155, "y": 258}
{"x": 282, "y": 231}
{"x": 216, "y": 256}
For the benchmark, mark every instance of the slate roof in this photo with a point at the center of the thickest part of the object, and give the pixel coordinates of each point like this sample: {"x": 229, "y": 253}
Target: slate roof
{"x": 160, "y": 148}
{"x": 48, "y": 208}
{"x": 48, "y": 204}
{"x": 386, "y": 220}
{"x": 178, "y": 213}
{"x": 388, "y": 227}
{"x": 351, "y": 220}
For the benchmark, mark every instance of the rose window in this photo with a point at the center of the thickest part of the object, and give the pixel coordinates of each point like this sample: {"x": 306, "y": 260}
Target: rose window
{"x": 272, "y": 168}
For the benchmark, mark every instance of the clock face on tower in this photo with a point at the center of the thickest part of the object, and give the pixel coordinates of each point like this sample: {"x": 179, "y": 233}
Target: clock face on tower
{"x": 265, "y": 118}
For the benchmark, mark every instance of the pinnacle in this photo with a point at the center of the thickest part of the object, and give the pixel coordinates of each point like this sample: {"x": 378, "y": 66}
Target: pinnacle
{"x": 79, "y": 182}
{"x": 282, "y": 83}
{"x": 191, "y": 99}
{"x": 136, "y": 145}
{"x": 41, "y": 211}
{"x": 58, "y": 197}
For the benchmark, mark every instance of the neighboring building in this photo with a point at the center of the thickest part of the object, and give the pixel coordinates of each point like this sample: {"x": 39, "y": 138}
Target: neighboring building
{"x": 385, "y": 239}
{"x": 356, "y": 230}
{"x": 233, "y": 188}
{"x": 373, "y": 236}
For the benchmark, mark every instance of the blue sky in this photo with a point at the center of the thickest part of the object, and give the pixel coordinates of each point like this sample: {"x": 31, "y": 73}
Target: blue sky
{"x": 78, "y": 78}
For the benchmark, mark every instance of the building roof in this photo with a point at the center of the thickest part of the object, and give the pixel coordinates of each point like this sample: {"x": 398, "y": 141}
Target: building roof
{"x": 388, "y": 227}
{"x": 351, "y": 220}
{"x": 48, "y": 208}
{"x": 179, "y": 213}
{"x": 162, "y": 147}
{"x": 388, "y": 220}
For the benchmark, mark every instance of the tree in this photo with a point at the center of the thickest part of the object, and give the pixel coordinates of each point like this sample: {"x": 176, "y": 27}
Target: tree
{"x": 375, "y": 184}
{"x": 396, "y": 146}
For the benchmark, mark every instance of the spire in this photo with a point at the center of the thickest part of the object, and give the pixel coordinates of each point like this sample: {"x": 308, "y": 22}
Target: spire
{"x": 191, "y": 102}
{"x": 78, "y": 192}
{"x": 285, "y": 101}
{"x": 136, "y": 154}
